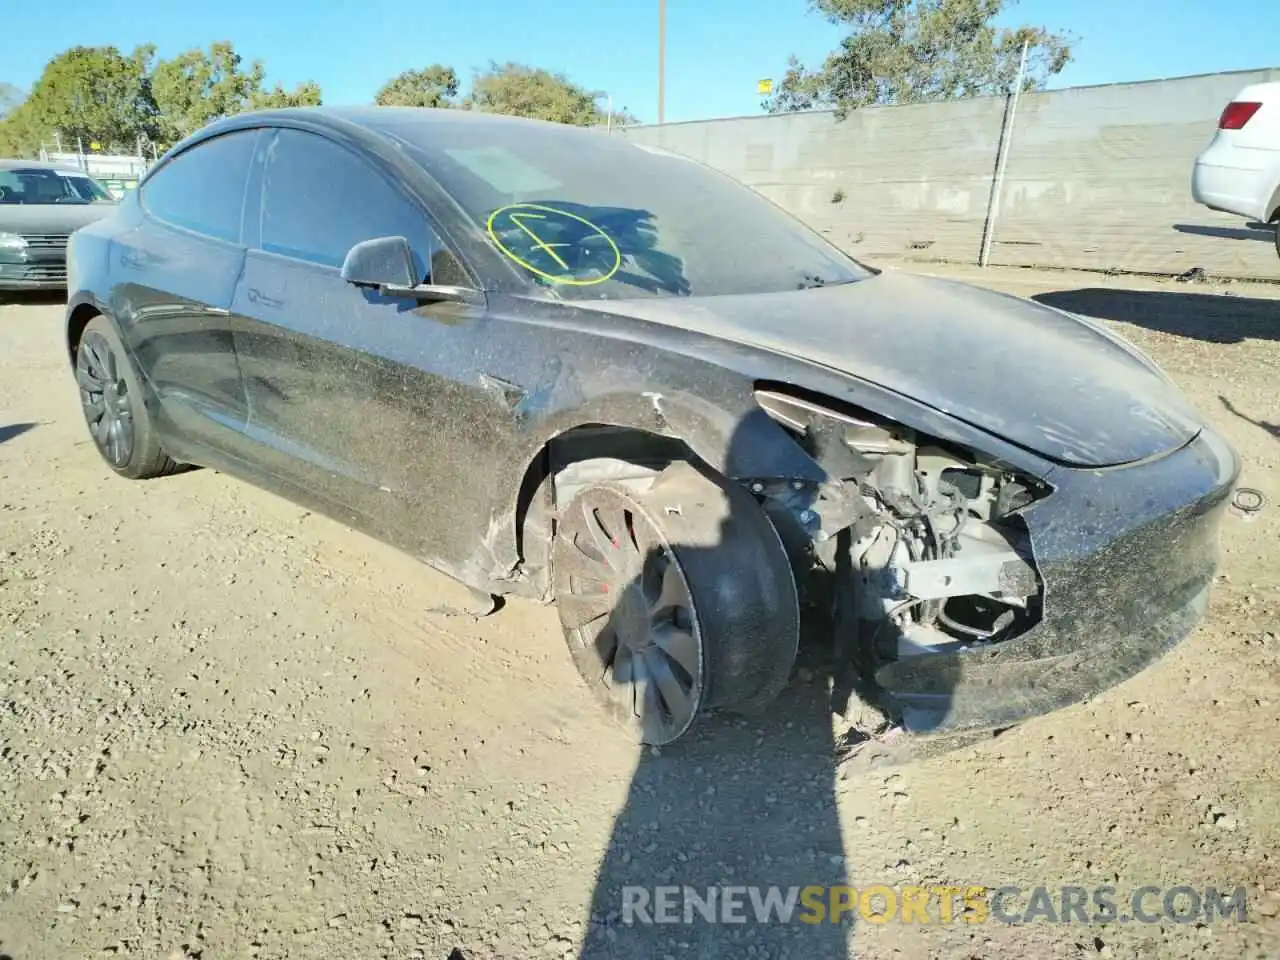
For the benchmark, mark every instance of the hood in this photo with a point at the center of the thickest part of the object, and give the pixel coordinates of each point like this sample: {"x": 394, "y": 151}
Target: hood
{"x": 1032, "y": 375}
{"x": 51, "y": 217}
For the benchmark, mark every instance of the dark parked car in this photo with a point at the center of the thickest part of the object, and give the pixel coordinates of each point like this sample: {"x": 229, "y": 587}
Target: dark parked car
{"x": 553, "y": 363}
{"x": 40, "y": 206}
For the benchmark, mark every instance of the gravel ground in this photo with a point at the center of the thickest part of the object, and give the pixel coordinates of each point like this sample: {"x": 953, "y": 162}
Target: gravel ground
{"x": 230, "y": 728}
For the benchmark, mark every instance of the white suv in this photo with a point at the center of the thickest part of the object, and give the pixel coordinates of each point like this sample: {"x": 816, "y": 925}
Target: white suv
{"x": 1239, "y": 172}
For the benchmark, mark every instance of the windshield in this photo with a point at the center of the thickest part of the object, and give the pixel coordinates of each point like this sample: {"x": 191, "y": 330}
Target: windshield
{"x": 42, "y": 186}
{"x": 586, "y": 215}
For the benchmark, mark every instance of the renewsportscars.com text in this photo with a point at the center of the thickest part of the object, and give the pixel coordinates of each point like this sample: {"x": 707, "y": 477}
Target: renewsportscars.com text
{"x": 880, "y": 903}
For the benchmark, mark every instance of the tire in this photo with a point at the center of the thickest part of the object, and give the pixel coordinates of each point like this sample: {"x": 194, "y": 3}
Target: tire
{"x": 674, "y": 601}
{"x": 1277, "y": 226}
{"x": 112, "y": 402}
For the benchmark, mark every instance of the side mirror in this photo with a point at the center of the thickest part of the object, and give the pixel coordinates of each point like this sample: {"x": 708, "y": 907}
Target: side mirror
{"x": 381, "y": 262}
{"x": 386, "y": 265}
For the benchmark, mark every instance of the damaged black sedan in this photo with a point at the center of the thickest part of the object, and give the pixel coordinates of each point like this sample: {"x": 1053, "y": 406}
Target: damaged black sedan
{"x": 553, "y": 363}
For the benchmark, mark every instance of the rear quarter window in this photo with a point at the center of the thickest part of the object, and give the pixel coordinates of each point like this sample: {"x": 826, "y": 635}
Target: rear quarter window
{"x": 202, "y": 189}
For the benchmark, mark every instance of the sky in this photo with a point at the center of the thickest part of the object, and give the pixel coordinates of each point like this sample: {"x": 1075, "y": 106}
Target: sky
{"x": 717, "y": 50}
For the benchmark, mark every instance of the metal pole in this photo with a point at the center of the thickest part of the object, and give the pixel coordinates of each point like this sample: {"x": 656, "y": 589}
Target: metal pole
{"x": 609, "y": 107}
{"x": 1002, "y": 158}
{"x": 662, "y": 59}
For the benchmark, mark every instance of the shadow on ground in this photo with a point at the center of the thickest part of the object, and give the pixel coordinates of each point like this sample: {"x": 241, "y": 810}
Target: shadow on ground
{"x": 1271, "y": 428}
{"x": 726, "y": 827}
{"x": 746, "y": 802}
{"x": 14, "y": 430}
{"x": 1214, "y": 318}
{"x": 1250, "y": 231}
{"x": 23, "y": 298}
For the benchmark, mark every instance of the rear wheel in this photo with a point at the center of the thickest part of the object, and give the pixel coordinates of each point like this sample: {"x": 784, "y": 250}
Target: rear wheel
{"x": 111, "y": 399}
{"x": 675, "y": 600}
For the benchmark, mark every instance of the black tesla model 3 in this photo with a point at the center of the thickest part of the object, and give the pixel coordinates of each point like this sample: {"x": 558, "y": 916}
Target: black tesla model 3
{"x": 553, "y": 363}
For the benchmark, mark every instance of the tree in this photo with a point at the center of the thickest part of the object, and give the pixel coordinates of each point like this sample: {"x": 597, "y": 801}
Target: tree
{"x": 306, "y": 94}
{"x": 522, "y": 91}
{"x": 18, "y": 135}
{"x": 14, "y": 135}
{"x": 911, "y": 51}
{"x": 197, "y": 87}
{"x": 10, "y": 99}
{"x": 89, "y": 95}
{"x": 434, "y": 86}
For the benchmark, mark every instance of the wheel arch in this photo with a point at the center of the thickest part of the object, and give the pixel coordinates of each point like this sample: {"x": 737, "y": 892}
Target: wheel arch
{"x": 1271, "y": 210}
{"x": 733, "y": 442}
{"x": 80, "y": 312}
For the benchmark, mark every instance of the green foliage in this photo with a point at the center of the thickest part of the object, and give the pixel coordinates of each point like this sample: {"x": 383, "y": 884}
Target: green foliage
{"x": 510, "y": 88}
{"x": 912, "y": 51}
{"x": 197, "y": 87}
{"x": 18, "y": 135}
{"x": 10, "y": 98}
{"x": 88, "y": 94}
{"x": 434, "y": 86}
{"x": 306, "y": 94}
{"x": 99, "y": 95}
{"x": 522, "y": 91}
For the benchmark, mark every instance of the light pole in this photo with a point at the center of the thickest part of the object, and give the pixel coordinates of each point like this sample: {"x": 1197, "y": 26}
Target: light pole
{"x": 662, "y": 59}
{"x": 608, "y": 99}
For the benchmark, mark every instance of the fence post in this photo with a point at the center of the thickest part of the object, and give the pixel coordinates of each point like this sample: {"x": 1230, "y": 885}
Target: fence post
{"x": 1002, "y": 158}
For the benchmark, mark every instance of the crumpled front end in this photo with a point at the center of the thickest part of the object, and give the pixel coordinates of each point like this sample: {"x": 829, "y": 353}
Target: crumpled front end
{"x": 1126, "y": 557}
{"x": 972, "y": 587}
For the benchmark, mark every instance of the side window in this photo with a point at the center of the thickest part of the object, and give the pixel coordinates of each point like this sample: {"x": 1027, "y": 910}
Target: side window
{"x": 202, "y": 189}
{"x": 320, "y": 199}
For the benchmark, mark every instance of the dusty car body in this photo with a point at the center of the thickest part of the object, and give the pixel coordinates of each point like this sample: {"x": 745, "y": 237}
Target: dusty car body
{"x": 41, "y": 205}
{"x": 554, "y": 364}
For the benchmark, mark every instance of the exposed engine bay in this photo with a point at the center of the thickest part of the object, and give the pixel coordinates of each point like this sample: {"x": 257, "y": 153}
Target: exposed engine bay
{"x": 909, "y": 546}
{"x": 925, "y": 539}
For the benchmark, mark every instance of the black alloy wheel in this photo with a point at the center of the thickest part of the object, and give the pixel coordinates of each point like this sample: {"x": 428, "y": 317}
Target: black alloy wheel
{"x": 112, "y": 402}
{"x": 674, "y": 601}
{"x": 630, "y": 603}
{"x": 106, "y": 399}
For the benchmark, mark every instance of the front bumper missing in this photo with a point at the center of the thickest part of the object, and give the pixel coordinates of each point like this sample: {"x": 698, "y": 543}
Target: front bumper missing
{"x": 1127, "y": 556}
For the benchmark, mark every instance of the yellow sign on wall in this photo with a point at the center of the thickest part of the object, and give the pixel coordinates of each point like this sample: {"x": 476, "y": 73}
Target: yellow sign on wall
{"x": 764, "y": 86}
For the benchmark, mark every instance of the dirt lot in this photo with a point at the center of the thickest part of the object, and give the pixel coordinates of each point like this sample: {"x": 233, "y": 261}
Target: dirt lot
{"x": 229, "y": 728}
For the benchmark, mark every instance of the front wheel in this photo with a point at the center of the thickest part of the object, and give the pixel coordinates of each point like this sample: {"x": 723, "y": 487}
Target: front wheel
{"x": 112, "y": 402}
{"x": 675, "y": 600}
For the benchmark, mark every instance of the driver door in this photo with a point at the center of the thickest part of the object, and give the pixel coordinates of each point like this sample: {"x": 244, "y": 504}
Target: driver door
{"x": 349, "y": 393}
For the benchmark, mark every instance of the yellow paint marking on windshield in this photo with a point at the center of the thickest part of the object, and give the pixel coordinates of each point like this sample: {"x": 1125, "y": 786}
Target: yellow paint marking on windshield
{"x": 517, "y": 213}
{"x": 518, "y": 220}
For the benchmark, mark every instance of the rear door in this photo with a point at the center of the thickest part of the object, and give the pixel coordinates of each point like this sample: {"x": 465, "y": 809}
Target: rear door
{"x": 348, "y": 397}
{"x": 175, "y": 274}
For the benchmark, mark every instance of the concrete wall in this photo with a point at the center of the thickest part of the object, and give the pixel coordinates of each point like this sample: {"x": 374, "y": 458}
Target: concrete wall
{"x": 1097, "y": 177}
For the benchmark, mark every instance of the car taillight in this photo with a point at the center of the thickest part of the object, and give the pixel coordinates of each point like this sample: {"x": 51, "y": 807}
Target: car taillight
{"x": 1237, "y": 114}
